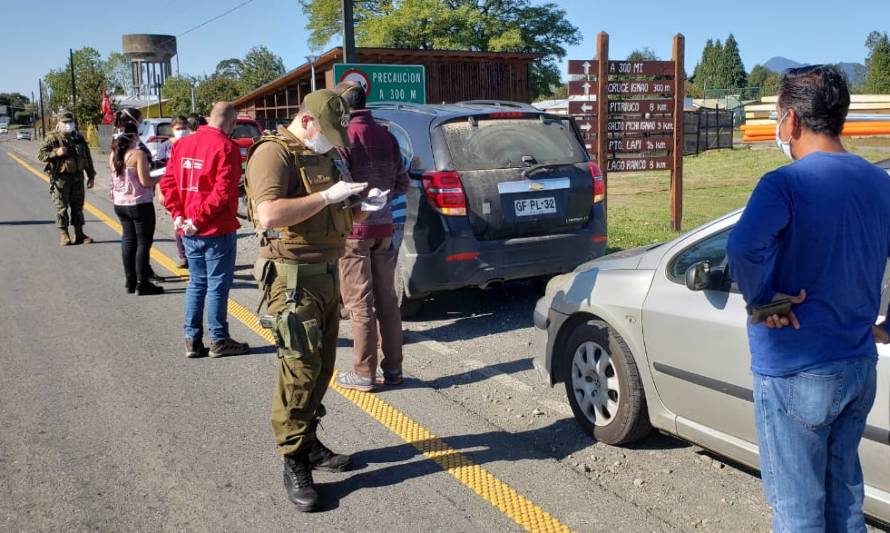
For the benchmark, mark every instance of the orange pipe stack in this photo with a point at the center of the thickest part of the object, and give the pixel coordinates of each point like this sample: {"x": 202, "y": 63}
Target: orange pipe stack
{"x": 767, "y": 132}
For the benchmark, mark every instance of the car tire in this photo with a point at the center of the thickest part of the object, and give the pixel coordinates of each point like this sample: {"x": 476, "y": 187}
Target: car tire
{"x": 408, "y": 307}
{"x": 603, "y": 385}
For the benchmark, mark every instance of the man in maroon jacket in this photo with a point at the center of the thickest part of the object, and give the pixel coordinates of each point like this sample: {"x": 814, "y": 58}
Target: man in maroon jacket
{"x": 367, "y": 268}
{"x": 200, "y": 190}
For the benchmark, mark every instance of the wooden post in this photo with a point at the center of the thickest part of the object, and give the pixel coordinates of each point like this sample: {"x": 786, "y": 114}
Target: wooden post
{"x": 602, "y": 109}
{"x": 679, "y": 144}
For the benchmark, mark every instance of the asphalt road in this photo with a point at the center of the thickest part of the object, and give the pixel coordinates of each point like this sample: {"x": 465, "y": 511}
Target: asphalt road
{"x": 106, "y": 426}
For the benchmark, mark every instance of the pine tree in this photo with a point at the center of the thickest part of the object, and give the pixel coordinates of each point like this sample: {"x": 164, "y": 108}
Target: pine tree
{"x": 732, "y": 70}
{"x": 698, "y": 74}
{"x": 878, "y": 63}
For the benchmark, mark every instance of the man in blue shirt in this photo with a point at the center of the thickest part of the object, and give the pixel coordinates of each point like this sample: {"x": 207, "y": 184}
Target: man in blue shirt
{"x": 819, "y": 229}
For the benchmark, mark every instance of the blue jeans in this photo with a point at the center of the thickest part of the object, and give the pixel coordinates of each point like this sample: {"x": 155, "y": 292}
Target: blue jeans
{"x": 211, "y": 272}
{"x": 809, "y": 426}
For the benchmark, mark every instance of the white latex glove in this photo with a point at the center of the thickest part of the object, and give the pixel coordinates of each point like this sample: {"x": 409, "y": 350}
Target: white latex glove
{"x": 188, "y": 228}
{"x": 376, "y": 200}
{"x": 177, "y": 223}
{"x": 341, "y": 191}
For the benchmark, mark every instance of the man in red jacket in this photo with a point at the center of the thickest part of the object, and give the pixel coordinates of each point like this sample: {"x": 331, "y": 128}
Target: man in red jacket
{"x": 201, "y": 193}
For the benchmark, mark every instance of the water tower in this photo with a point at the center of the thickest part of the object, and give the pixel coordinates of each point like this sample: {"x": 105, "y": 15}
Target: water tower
{"x": 149, "y": 57}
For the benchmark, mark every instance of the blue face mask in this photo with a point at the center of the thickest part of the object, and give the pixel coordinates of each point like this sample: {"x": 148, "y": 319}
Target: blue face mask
{"x": 783, "y": 145}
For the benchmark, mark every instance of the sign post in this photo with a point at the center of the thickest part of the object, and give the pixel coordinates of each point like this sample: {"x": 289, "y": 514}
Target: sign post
{"x": 386, "y": 83}
{"x": 636, "y": 110}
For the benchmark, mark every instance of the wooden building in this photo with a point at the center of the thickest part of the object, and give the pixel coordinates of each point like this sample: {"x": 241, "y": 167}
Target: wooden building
{"x": 451, "y": 76}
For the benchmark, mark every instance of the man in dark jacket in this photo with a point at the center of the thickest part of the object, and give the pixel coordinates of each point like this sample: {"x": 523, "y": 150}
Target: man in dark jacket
{"x": 367, "y": 268}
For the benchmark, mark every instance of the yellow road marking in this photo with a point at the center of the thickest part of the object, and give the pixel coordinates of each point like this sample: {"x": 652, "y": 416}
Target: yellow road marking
{"x": 497, "y": 493}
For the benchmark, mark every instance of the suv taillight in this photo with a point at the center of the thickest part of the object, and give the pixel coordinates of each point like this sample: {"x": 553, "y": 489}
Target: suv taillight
{"x": 599, "y": 186}
{"x": 445, "y": 192}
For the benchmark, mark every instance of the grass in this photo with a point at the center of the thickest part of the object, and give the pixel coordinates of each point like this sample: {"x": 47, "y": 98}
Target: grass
{"x": 714, "y": 183}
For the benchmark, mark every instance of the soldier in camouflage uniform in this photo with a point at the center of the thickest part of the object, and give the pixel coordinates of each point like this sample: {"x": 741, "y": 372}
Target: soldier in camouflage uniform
{"x": 67, "y": 157}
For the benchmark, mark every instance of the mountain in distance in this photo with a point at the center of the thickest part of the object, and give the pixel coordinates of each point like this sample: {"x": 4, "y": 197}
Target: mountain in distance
{"x": 855, "y": 71}
{"x": 779, "y": 64}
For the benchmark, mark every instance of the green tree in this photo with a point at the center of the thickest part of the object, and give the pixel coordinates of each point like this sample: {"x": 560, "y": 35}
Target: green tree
{"x": 692, "y": 90}
{"x": 179, "y": 90}
{"x": 16, "y": 100}
{"x": 259, "y": 67}
{"x": 480, "y": 25}
{"x": 230, "y": 68}
{"x": 644, "y": 54}
{"x": 731, "y": 70}
{"x": 770, "y": 86}
{"x": 118, "y": 73}
{"x": 706, "y": 75}
{"x": 214, "y": 89}
{"x": 758, "y": 76}
{"x": 91, "y": 83}
{"x": 877, "y": 81}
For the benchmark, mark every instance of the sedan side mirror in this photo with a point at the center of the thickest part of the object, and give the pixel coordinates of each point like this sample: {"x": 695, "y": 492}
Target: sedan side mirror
{"x": 698, "y": 276}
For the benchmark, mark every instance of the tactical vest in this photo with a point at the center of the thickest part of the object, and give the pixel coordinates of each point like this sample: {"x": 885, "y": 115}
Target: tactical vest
{"x": 328, "y": 227}
{"x": 73, "y": 164}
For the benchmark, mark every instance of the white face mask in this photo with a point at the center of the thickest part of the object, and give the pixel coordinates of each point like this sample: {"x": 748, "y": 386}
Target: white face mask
{"x": 68, "y": 127}
{"x": 782, "y": 145}
{"x": 179, "y": 134}
{"x": 319, "y": 143}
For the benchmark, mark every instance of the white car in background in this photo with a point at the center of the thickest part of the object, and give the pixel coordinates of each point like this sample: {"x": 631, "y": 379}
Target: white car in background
{"x": 656, "y": 337}
{"x": 155, "y": 133}
{"x": 3, "y": 129}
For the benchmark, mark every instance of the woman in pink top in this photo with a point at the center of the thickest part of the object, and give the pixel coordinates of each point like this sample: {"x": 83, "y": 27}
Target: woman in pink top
{"x": 132, "y": 190}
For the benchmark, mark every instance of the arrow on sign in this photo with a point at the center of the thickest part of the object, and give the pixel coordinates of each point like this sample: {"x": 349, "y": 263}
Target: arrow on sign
{"x": 586, "y": 126}
{"x": 585, "y": 108}
{"x": 586, "y": 66}
{"x": 586, "y": 86}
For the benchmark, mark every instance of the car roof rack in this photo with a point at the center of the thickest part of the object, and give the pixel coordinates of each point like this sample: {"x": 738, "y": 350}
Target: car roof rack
{"x": 498, "y": 103}
{"x": 398, "y": 106}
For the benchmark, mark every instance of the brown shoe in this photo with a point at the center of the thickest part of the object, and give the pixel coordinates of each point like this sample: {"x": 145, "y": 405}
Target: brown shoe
{"x": 80, "y": 237}
{"x": 227, "y": 347}
{"x": 64, "y": 238}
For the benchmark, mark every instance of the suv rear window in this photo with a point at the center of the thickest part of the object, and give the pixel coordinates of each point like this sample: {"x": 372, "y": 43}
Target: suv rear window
{"x": 245, "y": 131}
{"x": 164, "y": 129}
{"x": 502, "y": 143}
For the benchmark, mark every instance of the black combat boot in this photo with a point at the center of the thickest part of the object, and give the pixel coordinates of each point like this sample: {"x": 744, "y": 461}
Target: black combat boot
{"x": 298, "y": 482}
{"x": 80, "y": 237}
{"x": 322, "y": 458}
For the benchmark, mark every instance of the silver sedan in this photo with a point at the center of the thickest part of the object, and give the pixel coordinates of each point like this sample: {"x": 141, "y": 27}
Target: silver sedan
{"x": 655, "y": 337}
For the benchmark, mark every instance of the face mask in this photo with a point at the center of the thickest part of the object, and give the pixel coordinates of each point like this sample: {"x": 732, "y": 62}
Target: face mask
{"x": 782, "y": 145}
{"x": 179, "y": 134}
{"x": 68, "y": 127}
{"x": 319, "y": 143}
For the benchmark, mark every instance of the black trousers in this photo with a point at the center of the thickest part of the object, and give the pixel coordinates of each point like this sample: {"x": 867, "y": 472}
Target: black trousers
{"x": 138, "y": 223}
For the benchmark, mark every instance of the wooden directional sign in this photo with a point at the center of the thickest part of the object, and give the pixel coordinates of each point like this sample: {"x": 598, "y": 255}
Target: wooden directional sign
{"x": 628, "y": 125}
{"x": 638, "y": 107}
{"x": 633, "y": 164}
{"x": 582, "y": 107}
{"x": 583, "y": 67}
{"x": 639, "y": 87}
{"x": 582, "y": 88}
{"x": 640, "y": 144}
{"x": 640, "y": 68}
{"x": 586, "y": 124}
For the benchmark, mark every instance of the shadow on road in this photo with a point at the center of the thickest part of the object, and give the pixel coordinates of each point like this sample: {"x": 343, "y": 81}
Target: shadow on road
{"x": 25, "y": 222}
{"x": 555, "y": 441}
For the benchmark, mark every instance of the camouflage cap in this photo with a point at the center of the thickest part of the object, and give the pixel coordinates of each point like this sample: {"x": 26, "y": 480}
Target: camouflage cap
{"x": 65, "y": 116}
{"x": 332, "y": 114}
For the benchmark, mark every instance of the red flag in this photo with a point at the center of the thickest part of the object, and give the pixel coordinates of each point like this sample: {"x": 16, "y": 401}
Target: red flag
{"x": 107, "y": 112}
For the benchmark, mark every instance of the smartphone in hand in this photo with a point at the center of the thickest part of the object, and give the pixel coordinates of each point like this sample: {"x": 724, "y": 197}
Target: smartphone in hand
{"x": 780, "y": 307}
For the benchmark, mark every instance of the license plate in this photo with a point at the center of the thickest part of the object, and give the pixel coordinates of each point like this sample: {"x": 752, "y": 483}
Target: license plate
{"x": 534, "y": 206}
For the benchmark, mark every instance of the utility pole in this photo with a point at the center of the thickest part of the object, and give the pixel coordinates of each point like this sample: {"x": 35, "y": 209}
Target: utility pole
{"x": 193, "y": 97}
{"x": 73, "y": 85}
{"x": 348, "y": 32}
{"x": 42, "y": 113}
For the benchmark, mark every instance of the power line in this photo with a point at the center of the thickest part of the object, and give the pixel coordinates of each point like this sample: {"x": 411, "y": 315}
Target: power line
{"x": 221, "y": 15}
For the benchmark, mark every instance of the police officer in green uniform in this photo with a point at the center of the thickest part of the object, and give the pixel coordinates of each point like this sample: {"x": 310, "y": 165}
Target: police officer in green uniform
{"x": 297, "y": 190}
{"x": 67, "y": 157}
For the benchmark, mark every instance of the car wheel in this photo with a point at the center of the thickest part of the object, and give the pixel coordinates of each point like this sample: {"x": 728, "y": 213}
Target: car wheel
{"x": 603, "y": 385}
{"x": 408, "y": 307}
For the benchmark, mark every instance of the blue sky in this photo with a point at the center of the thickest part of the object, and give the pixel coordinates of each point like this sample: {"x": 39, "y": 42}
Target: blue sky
{"x": 809, "y": 31}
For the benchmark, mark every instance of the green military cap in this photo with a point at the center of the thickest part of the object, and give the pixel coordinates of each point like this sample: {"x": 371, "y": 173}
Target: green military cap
{"x": 332, "y": 114}
{"x": 65, "y": 116}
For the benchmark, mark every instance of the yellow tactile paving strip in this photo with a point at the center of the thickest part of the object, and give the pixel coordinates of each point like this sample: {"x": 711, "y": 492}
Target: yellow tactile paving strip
{"x": 491, "y": 489}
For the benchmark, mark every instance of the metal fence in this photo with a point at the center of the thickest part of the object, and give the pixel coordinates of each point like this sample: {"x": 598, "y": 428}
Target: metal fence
{"x": 707, "y": 129}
